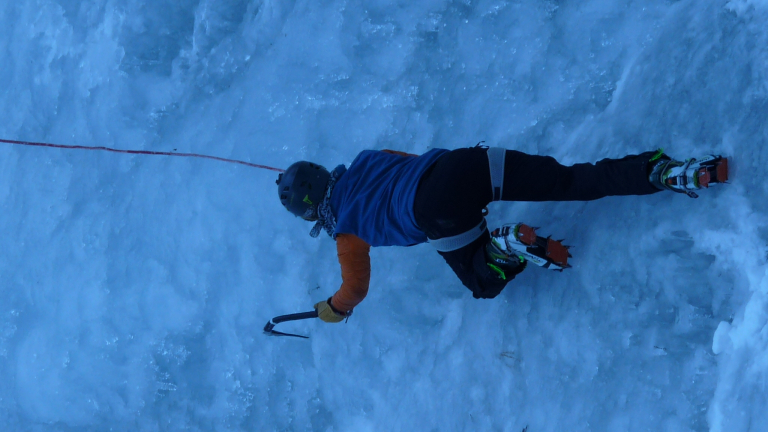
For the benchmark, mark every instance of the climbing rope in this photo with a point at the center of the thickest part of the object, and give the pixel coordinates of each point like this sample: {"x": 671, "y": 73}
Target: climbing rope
{"x": 139, "y": 152}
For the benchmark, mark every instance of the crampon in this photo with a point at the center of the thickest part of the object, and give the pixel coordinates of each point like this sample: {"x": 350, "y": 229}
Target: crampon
{"x": 522, "y": 239}
{"x": 694, "y": 174}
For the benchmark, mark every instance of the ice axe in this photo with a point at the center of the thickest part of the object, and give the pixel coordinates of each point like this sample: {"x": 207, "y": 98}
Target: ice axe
{"x": 269, "y": 328}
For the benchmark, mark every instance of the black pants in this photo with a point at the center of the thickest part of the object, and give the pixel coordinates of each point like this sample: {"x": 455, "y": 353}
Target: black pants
{"x": 454, "y": 192}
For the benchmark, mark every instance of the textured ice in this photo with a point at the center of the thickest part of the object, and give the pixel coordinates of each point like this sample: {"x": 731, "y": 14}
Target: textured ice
{"x": 133, "y": 289}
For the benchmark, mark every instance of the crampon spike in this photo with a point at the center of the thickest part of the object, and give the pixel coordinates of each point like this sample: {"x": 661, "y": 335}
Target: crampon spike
{"x": 526, "y": 234}
{"x": 557, "y": 252}
{"x": 704, "y": 177}
{"x": 721, "y": 172}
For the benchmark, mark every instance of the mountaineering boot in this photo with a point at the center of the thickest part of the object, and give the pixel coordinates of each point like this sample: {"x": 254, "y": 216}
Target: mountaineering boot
{"x": 504, "y": 262}
{"x": 520, "y": 240}
{"x": 685, "y": 177}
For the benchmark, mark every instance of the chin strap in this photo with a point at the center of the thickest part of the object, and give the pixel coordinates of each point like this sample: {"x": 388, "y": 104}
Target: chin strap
{"x": 325, "y": 218}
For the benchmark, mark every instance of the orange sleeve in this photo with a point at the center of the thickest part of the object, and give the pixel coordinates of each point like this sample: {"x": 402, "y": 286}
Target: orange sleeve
{"x": 355, "y": 271}
{"x": 399, "y": 153}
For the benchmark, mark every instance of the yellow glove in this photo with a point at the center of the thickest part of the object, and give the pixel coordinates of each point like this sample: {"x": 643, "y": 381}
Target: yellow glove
{"x": 327, "y": 313}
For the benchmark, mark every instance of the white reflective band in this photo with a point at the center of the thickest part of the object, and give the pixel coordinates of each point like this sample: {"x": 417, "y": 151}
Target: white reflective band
{"x": 496, "y": 157}
{"x": 448, "y": 244}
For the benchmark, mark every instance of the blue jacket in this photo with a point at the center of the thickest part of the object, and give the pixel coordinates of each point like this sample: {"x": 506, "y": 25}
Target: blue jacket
{"x": 374, "y": 198}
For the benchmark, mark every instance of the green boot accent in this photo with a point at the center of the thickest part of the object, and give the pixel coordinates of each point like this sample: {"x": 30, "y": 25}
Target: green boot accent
{"x": 498, "y": 260}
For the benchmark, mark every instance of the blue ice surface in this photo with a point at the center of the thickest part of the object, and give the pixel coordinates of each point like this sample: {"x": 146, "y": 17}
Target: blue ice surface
{"x": 134, "y": 289}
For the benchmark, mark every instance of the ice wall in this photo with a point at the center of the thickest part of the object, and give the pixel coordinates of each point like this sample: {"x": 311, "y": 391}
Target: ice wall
{"x": 133, "y": 289}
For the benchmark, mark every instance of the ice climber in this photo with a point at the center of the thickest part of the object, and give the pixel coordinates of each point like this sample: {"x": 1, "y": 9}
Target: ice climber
{"x": 390, "y": 198}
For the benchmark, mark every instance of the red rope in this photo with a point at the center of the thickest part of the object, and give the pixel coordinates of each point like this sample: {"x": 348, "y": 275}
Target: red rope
{"x": 141, "y": 152}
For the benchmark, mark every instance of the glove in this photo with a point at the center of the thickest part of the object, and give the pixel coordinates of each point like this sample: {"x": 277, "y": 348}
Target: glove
{"x": 327, "y": 313}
